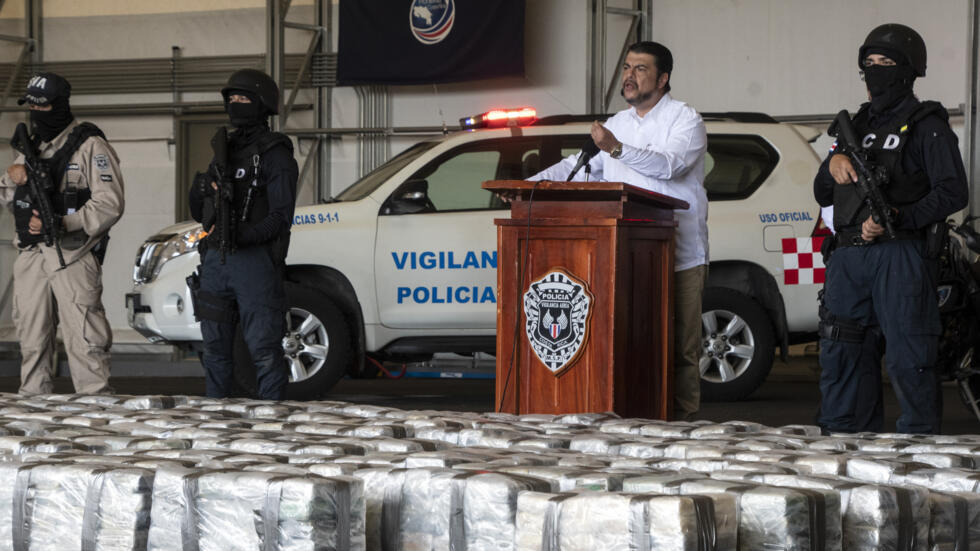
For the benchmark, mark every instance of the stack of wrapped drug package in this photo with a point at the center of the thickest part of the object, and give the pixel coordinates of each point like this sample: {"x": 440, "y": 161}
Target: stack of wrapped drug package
{"x": 185, "y": 473}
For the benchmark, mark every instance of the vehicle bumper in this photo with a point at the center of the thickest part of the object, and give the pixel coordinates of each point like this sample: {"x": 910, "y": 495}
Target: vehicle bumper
{"x": 161, "y": 310}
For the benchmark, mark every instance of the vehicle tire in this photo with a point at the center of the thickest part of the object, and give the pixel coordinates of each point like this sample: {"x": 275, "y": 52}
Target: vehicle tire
{"x": 738, "y": 345}
{"x": 317, "y": 346}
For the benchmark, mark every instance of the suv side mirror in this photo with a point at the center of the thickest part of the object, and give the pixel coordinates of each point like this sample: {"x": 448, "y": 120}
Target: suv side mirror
{"x": 411, "y": 197}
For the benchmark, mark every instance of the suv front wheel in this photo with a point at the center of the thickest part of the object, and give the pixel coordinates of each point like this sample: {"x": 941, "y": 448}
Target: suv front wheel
{"x": 737, "y": 345}
{"x": 316, "y": 345}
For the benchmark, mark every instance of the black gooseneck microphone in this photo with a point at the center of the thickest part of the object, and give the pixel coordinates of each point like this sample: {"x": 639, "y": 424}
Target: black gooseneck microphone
{"x": 589, "y": 150}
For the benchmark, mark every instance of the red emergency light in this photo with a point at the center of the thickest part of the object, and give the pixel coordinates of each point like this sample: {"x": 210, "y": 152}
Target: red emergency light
{"x": 500, "y": 117}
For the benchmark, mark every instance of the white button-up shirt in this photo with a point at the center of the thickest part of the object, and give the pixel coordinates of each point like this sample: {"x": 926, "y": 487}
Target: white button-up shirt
{"x": 662, "y": 152}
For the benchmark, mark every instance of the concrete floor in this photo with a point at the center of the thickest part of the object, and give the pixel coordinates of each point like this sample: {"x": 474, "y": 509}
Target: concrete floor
{"x": 790, "y": 395}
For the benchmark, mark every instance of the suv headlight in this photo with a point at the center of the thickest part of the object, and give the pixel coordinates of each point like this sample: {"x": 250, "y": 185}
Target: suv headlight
{"x": 160, "y": 248}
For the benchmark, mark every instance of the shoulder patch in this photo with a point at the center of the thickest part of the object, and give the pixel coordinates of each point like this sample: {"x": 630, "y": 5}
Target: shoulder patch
{"x": 102, "y": 162}
{"x": 105, "y": 177}
{"x": 72, "y": 166}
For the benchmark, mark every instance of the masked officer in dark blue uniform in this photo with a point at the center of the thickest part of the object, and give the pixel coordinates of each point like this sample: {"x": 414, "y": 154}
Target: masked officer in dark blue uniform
{"x": 241, "y": 272}
{"x": 880, "y": 291}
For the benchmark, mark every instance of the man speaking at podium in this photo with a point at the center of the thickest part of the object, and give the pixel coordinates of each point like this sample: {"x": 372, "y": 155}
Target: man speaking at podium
{"x": 658, "y": 144}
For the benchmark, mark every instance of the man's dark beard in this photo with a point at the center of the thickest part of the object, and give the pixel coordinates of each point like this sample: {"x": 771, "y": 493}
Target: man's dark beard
{"x": 640, "y": 98}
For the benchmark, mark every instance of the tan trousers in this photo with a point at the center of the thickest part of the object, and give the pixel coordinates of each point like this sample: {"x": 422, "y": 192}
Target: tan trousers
{"x": 688, "y": 290}
{"x": 76, "y": 292}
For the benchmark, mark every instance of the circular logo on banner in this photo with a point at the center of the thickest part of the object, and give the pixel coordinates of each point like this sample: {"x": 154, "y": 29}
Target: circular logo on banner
{"x": 431, "y": 20}
{"x": 557, "y": 311}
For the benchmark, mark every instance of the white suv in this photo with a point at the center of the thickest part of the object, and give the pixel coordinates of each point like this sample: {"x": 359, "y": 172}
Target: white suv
{"x": 402, "y": 264}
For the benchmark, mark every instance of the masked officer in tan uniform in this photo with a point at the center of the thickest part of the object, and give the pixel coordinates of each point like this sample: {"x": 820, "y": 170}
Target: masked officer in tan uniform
{"x": 87, "y": 202}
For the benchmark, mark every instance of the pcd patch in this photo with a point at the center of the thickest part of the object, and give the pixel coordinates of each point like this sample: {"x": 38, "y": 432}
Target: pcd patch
{"x": 556, "y": 308}
{"x": 105, "y": 177}
{"x": 102, "y": 162}
{"x": 72, "y": 166}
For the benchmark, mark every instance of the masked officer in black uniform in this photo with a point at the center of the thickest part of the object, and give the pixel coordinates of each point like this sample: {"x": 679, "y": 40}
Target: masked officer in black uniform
{"x": 241, "y": 274}
{"x": 880, "y": 291}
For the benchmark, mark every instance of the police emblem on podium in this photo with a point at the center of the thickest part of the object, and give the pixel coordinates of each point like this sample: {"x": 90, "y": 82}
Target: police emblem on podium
{"x": 557, "y": 308}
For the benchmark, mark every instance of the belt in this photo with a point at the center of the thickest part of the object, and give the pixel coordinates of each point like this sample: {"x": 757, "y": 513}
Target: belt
{"x": 851, "y": 237}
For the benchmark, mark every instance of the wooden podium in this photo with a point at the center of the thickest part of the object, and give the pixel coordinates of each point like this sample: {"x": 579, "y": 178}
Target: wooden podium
{"x": 585, "y": 274}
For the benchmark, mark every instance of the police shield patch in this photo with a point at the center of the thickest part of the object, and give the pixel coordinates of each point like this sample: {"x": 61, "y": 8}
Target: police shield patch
{"x": 556, "y": 308}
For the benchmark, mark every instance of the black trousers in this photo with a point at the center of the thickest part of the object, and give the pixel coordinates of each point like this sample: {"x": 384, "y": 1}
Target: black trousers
{"x": 253, "y": 281}
{"x": 888, "y": 286}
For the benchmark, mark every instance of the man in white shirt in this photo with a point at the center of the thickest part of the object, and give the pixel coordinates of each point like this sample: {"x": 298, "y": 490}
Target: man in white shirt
{"x": 658, "y": 144}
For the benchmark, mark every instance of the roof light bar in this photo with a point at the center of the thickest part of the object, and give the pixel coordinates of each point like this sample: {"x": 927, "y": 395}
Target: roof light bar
{"x": 500, "y": 117}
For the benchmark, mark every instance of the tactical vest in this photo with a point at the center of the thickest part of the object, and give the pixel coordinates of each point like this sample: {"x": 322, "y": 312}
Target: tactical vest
{"x": 244, "y": 171}
{"x": 64, "y": 202}
{"x": 886, "y": 144}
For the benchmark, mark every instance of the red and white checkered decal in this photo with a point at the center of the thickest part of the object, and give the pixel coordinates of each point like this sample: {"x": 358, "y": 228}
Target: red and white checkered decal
{"x": 802, "y": 261}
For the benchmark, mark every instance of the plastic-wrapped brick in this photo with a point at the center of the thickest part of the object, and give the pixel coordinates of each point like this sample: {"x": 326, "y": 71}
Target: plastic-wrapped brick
{"x": 296, "y": 513}
{"x": 332, "y": 469}
{"x": 724, "y": 496}
{"x": 668, "y": 430}
{"x": 825, "y": 464}
{"x": 428, "y": 513}
{"x": 77, "y": 506}
{"x": 955, "y": 524}
{"x": 375, "y": 483}
{"x": 490, "y": 508}
{"x": 537, "y": 521}
{"x": 945, "y": 480}
{"x": 544, "y": 442}
{"x": 449, "y": 435}
{"x": 942, "y": 460}
{"x": 585, "y": 462}
{"x": 588, "y": 419}
{"x": 881, "y": 471}
{"x": 773, "y": 517}
{"x": 873, "y": 516}
{"x": 692, "y": 449}
{"x": 151, "y": 402}
{"x": 835, "y": 444}
{"x": 489, "y": 438}
{"x": 715, "y": 431}
{"x": 446, "y": 458}
{"x": 667, "y": 483}
{"x": 17, "y": 445}
{"x": 621, "y": 426}
{"x": 596, "y": 443}
{"x": 627, "y": 521}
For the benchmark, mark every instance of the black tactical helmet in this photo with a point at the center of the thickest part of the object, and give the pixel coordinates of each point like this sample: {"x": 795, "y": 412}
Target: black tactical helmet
{"x": 256, "y": 83}
{"x": 896, "y": 38}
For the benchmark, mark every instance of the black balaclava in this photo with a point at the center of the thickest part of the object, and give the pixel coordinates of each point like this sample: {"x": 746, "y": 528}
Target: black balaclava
{"x": 888, "y": 85}
{"x": 48, "y": 124}
{"x": 244, "y": 115}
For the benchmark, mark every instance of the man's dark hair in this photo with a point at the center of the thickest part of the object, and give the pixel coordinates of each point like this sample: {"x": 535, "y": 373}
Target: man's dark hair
{"x": 661, "y": 56}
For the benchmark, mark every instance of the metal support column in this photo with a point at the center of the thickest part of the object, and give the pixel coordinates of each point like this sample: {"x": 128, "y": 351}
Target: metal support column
{"x": 595, "y": 73}
{"x": 646, "y": 20}
{"x": 600, "y": 89}
{"x": 324, "y": 106}
{"x": 971, "y": 130}
{"x": 274, "y": 47}
{"x": 35, "y": 29}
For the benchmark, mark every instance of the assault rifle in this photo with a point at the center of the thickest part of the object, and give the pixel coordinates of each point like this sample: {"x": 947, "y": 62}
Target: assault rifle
{"x": 40, "y": 186}
{"x": 871, "y": 176}
{"x": 225, "y": 219}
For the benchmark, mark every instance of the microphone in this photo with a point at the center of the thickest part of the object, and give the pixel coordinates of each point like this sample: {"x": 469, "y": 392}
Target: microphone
{"x": 589, "y": 150}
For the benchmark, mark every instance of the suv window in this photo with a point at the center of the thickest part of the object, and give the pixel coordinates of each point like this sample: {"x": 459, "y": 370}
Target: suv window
{"x": 363, "y": 187}
{"x": 736, "y": 165}
{"x": 455, "y": 177}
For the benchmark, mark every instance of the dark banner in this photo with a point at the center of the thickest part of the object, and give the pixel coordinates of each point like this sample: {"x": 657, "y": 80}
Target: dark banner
{"x": 428, "y": 41}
